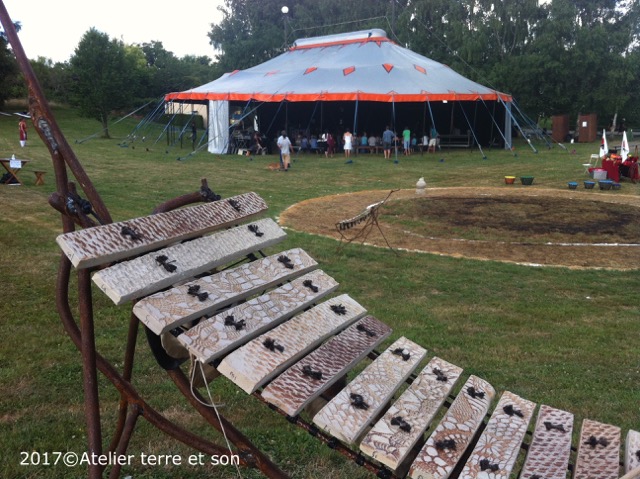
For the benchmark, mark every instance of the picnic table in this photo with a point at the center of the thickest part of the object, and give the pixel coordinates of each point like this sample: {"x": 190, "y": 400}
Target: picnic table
{"x": 12, "y": 166}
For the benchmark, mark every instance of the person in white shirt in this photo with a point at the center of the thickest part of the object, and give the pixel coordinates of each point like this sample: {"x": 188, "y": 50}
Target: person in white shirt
{"x": 347, "y": 138}
{"x": 285, "y": 150}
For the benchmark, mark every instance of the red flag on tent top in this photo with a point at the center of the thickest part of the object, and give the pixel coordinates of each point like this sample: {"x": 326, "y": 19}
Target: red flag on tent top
{"x": 604, "y": 149}
{"x": 624, "y": 147}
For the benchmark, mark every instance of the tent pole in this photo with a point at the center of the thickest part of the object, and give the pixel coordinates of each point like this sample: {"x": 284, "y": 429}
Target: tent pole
{"x": 395, "y": 139}
{"x": 453, "y": 106}
{"x": 424, "y": 119}
{"x": 355, "y": 117}
{"x": 513, "y": 119}
{"x": 506, "y": 139}
{"x": 475, "y": 138}
{"x": 433, "y": 124}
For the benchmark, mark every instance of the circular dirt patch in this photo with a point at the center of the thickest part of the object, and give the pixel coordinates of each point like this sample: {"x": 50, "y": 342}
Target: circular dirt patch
{"x": 587, "y": 229}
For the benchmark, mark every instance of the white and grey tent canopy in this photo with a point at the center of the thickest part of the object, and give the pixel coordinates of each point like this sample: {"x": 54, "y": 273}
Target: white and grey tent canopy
{"x": 361, "y": 81}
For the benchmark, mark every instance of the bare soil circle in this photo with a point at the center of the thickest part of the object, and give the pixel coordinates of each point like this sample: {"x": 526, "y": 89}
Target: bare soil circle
{"x": 576, "y": 229}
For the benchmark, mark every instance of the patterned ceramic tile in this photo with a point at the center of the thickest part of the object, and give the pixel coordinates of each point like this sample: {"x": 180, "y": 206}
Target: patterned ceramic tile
{"x": 348, "y": 414}
{"x": 598, "y": 451}
{"x": 632, "y": 451}
{"x": 454, "y": 433}
{"x": 499, "y": 445}
{"x": 149, "y": 273}
{"x": 107, "y": 243}
{"x": 298, "y": 386}
{"x": 550, "y": 448}
{"x": 250, "y": 366}
{"x": 213, "y": 337}
{"x": 168, "y": 309}
{"x": 393, "y": 436}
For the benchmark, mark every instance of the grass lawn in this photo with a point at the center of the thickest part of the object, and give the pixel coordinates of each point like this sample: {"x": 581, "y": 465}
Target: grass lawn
{"x": 563, "y": 337}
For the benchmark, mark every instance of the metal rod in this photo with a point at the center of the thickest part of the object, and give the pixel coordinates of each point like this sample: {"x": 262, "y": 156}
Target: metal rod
{"x": 124, "y": 438}
{"x": 90, "y": 374}
{"x": 127, "y": 372}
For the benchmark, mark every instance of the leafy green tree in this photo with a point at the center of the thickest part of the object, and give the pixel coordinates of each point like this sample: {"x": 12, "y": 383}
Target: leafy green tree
{"x": 167, "y": 73}
{"x": 253, "y": 31}
{"x": 9, "y": 75}
{"x": 105, "y": 77}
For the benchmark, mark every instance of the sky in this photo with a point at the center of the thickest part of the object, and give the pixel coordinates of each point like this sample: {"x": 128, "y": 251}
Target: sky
{"x": 53, "y": 28}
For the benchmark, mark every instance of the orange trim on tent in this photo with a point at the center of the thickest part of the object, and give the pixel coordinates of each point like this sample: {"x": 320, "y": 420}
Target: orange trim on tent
{"x": 310, "y": 69}
{"x": 377, "y": 40}
{"x": 338, "y": 96}
{"x": 420, "y": 69}
{"x": 348, "y": 71}
{"x": 388, "y": 67}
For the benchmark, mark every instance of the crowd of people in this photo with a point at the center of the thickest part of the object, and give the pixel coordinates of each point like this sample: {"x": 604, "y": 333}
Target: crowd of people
{"x": 350, "y": 143}
{"x": 346, "y": 142}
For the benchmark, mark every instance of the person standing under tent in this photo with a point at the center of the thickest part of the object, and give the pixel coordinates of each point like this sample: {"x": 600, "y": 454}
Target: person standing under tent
{"x": 331, "y": 146}
{"x": 285, "y": 150}
{"x": 433, "y": 139}
{"x": 425, "y": 142}
{"x": 22, "y": 131}
{"x": 280, "y": 138}
{"x": 406, "y": 140}
{"x": 347, "y": 138}
{"x": 194, "y": 135}
{"x": 387, "y": 140}
{"x": 364, "y": 141}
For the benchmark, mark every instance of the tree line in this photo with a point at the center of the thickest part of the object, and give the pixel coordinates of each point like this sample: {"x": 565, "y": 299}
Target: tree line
{"x": 554, "y": 56}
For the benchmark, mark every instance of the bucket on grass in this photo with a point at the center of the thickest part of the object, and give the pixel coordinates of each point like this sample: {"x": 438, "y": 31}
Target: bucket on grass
{"x": 526, "y": 180}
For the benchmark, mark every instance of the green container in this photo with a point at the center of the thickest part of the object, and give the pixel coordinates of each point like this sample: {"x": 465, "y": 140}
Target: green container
{"x": 526, "y": 180}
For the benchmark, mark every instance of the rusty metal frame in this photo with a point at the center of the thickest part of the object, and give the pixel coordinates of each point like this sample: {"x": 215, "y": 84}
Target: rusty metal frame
{"x": 82, "y": 332}
{"x": 370, "y": 220}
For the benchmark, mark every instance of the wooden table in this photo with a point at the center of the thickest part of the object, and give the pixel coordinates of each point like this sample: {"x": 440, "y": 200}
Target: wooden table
{"x": 12, "y": 169}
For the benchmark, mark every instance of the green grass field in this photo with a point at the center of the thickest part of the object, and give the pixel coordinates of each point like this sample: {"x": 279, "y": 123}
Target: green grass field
{"x": 563, "y": 337}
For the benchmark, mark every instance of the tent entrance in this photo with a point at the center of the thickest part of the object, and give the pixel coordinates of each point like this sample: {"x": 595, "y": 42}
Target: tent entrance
{"x": 316, "y": 118}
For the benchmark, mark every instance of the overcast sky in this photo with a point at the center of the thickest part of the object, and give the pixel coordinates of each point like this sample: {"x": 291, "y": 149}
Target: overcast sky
{"x": 53, "y": 28}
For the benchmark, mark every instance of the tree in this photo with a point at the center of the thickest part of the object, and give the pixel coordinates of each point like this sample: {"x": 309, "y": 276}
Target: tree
{"x": 8, "y": 67}
{"x": 104, "y": 75}
{"x": 168, "y": 73}
{"x": 253, "y": 31}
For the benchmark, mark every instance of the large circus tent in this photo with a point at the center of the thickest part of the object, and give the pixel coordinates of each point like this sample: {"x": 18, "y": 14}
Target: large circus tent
{"x": 360, "y": 80}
